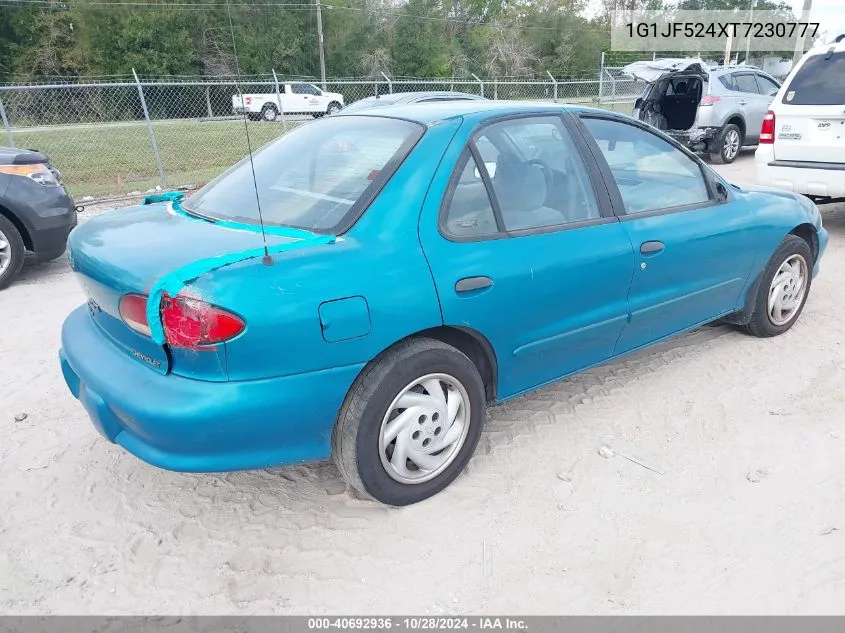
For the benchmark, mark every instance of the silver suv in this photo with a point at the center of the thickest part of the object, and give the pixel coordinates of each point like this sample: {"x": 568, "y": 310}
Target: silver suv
{"x": 709, "y": 110}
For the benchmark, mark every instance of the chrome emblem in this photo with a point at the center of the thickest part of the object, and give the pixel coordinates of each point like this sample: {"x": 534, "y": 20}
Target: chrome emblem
{"x": 146, "y": 359}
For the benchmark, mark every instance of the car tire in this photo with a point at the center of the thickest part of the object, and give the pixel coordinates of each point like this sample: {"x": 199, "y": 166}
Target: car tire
{"x": 364, "y": 445}
{"x": 12, "y": 251}
{"x": 269, "y": 112}
{"x": 726, "y": 146}
{"x": 781, "y": 284}
{"x": 332, "y": 108}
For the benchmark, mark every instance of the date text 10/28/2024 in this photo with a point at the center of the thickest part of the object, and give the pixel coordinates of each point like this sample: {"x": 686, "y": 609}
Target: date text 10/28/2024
{"x": 421, "y": 623}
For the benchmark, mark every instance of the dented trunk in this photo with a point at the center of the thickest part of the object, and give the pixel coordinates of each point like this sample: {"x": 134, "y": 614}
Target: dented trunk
{"x": 125, "y": 252}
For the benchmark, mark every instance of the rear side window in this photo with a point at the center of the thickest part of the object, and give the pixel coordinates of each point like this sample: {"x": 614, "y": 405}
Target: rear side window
{"x": 470, "y": 212}
{"x": 767, "y": 86}
{"x": 820, "y": 81}
{"x": 745, "y": 83}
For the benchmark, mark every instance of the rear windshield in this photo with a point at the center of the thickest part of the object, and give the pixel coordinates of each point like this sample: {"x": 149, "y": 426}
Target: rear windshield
{"x": 316, "y": 177}
{"x": 820, "y": 81}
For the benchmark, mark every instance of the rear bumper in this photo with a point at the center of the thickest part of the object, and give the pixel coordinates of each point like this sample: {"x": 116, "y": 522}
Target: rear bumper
{"x": 799, "y": 177}
{"x": 195, "y": 426}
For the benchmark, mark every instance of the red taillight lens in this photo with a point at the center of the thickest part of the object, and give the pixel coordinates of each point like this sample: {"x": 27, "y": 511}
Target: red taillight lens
{"x": 767, "y": 131}
{"x": 133, "y": 311}
{"x": 710, "y": 100}
{"x": 193, "y": 323}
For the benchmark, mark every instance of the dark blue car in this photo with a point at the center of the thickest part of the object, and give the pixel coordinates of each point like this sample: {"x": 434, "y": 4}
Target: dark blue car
{"x": 422, "y": 262}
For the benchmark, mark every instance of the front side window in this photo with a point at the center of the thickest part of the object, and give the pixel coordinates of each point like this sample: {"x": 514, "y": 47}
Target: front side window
{"x": 313, "y": 177}
{"x": 651, "y": 173}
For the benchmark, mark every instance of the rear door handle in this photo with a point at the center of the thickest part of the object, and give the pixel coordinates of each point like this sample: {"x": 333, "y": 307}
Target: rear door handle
{"x": 468, "y": 284}
{"x": 649, "y": 248}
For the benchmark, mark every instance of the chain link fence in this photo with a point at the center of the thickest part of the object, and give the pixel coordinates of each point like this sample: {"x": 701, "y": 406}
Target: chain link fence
{"x": 130, "y": 137}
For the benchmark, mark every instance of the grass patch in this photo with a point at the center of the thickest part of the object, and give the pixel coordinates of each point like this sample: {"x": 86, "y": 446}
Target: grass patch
{"x": 107, "y": 159}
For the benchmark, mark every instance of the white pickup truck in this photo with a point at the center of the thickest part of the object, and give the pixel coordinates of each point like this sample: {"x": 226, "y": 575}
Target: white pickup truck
{"x": 298, "y": 98}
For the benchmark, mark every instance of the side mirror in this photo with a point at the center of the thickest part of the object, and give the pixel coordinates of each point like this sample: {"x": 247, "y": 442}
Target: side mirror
{"x": 721, "y": 192}
{"x": 638, "y": 103}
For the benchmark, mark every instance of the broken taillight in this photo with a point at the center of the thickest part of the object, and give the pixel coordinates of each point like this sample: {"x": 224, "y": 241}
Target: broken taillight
{"x": 709, "y": 100}
{"x": 767, "y": 130}
{"x": 195, "y": 324}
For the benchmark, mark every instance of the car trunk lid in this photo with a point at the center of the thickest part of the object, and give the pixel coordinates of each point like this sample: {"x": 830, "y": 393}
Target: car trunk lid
{"x": 127, "y": 251}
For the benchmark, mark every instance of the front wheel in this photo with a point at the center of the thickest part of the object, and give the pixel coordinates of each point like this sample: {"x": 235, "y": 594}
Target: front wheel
{"x": 783, "y": 289}
{"x": 410, "y": 422}
{"x": 334, "y": 107}
{"x": 12, "y": 252}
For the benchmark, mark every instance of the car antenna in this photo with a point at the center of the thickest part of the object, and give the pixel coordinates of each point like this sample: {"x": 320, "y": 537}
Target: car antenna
{"x": 267, "y": 260}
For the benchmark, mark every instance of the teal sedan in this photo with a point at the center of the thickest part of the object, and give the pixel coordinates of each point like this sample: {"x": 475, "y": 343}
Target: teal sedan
{"x": 366, "y": 285}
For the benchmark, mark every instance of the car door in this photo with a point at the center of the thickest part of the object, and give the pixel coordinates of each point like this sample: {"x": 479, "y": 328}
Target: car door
{"x": 689, "y": 237}
{"x": 524, "y": 249}
{"x": 752, "y": 105}
{"x": 302, "y": 98}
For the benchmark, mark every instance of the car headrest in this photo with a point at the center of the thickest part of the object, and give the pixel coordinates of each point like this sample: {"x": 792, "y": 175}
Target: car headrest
{"x": 519, "y": 185}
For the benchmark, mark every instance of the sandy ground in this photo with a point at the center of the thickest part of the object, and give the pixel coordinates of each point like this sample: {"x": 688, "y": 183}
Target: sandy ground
{"x": 747, "y": 517}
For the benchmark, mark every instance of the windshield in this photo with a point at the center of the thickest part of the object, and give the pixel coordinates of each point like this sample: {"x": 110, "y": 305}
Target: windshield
{"x": 314, "y": 177}
{"x": 372, "y": 102}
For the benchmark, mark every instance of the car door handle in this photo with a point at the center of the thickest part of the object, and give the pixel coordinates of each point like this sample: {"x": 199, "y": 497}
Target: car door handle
{"x": 649, "y": 248}
{"x": 468, "y": 284}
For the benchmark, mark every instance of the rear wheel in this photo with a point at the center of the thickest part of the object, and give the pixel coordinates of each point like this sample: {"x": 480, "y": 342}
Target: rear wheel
{"x": 12, "y": 252}
{"x": 783, "y": 289}
{"x": 726, "y": 145}
{"x": 334, "y": 107}
{"x": 410, "y": 423}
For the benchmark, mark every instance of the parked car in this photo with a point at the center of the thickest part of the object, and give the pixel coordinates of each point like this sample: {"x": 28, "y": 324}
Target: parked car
{"x": 421, "y": 263}
{"x": 802, "y": 141}
{"x": 709, "y": 110}
{"x": 36, "y": 213}
{"x": 295, "y": 98}
{"x": 403, "y": 98}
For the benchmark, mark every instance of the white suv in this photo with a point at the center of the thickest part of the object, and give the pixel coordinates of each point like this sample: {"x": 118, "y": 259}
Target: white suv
{"x": 802, "y": 141}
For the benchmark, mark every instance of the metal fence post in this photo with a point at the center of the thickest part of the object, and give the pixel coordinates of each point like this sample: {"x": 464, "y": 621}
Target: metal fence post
{"x": 554, "y": 82}
{"x": 389, "y": 83}
{"x": 6, "y": 124}
{"x": 480, "y": 83}
{"x": 150, "y": 131}
{"x": 279, "y": 101}
{"x": 601, "y": 77}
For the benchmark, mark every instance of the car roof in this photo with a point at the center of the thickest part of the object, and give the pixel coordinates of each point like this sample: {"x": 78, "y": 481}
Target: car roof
{"x": 429, "y": 113}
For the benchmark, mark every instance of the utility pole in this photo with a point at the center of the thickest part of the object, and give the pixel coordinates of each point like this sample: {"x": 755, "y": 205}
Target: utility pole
{"x": 748, "y": 39}
{"x": 322, "y": 52}
{"x": 799, "y": 43}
